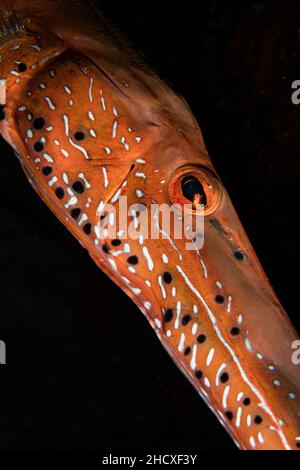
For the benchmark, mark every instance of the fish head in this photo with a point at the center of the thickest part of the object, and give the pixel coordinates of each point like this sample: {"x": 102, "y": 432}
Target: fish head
{"x": 111, "y": 150}
{"x": 199, "y": 282}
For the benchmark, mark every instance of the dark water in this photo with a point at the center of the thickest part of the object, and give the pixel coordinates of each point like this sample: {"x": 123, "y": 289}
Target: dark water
{"x": 84, "y": 368}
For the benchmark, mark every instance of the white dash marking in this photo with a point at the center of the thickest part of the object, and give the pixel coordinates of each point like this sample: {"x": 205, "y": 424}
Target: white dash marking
{"x": 52, "y": 181}
{"x": 103, "y": 104}
{"x": 178, "y": 311}
{"x": 229, "y": 303}
{"x": 193, "y": 360}
{"x": 91, "y": 90}
{"x": 115, "y": 129}
{"x": 260, "y": 438}
{"x": 210, "y": 357}
{"x": 252, "y": 442}
{"x": 194, "y": 329}
{"x": 225, "y": 396}
{"x": 163, "y": 291}
{"x": 91, "y": 116}
{"x": 207, "y": 382}
{"x": 106, "y": 182}
{"x": 181, "y": 343}
{"x": 148, "y": 259}
{"x": 238, "y": 416}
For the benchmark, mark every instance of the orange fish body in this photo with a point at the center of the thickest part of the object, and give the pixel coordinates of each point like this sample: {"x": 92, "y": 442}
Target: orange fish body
{"x": 92, "y": 125}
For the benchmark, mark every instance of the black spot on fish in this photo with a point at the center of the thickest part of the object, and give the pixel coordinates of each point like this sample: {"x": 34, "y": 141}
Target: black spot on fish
{"x": 247, "y": 401}
{"x": 229, "y": 415}
{"x": 87, "y": 228}
{"x": 116, "y": 242}
{"x": 199, "y": 374}
{"x": 79, "y": 135}
{"x": 186, "y": 319}
{"x": 224, "y": 377}
{"x": 219, "y": 299}
{"x": 78, "y": 187}
{"x": 38, "y": 146}
{"x": 258, "y": 419}
{"x": 22, "y": 67}
{"x": 235, "y": 331}
{"x": 47, "y": 170}
{"x": 59, "y": 193}
{"x": 133, "y": 260}
{"x": 39, "y": 123}
{"x": 167, "y": 277}
{"x": 75, "y": 213}
{"x": 168, "y": 315}
{"x": 201, "y": 339}
{"x": 187, "y": 351}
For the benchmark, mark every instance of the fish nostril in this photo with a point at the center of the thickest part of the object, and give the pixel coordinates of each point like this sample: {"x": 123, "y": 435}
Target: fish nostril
{"x": 258, "y": 419}
{"x": 239, "y": 255}
{"x": 219, "y": 299}
{"x": 39, "y": 123}
{"x": 22, "y": 67}
{"x": 168, "y": 315}
{"x": 224, "y": 377}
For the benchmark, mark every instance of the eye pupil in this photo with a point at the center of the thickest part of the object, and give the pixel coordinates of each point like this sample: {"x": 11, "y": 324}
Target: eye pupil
{"x": 191, "y": 187}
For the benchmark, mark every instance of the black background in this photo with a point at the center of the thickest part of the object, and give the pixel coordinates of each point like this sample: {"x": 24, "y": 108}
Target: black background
{"x": 84, "y": 369}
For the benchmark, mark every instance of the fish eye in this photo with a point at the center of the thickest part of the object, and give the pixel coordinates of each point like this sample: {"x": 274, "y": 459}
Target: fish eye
{"x": 192, "y": 190}
{"x": 191, "y": 186}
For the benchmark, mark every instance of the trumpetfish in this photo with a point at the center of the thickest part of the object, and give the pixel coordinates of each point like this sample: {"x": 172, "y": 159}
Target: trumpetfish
{"x": 90, "y": 122}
